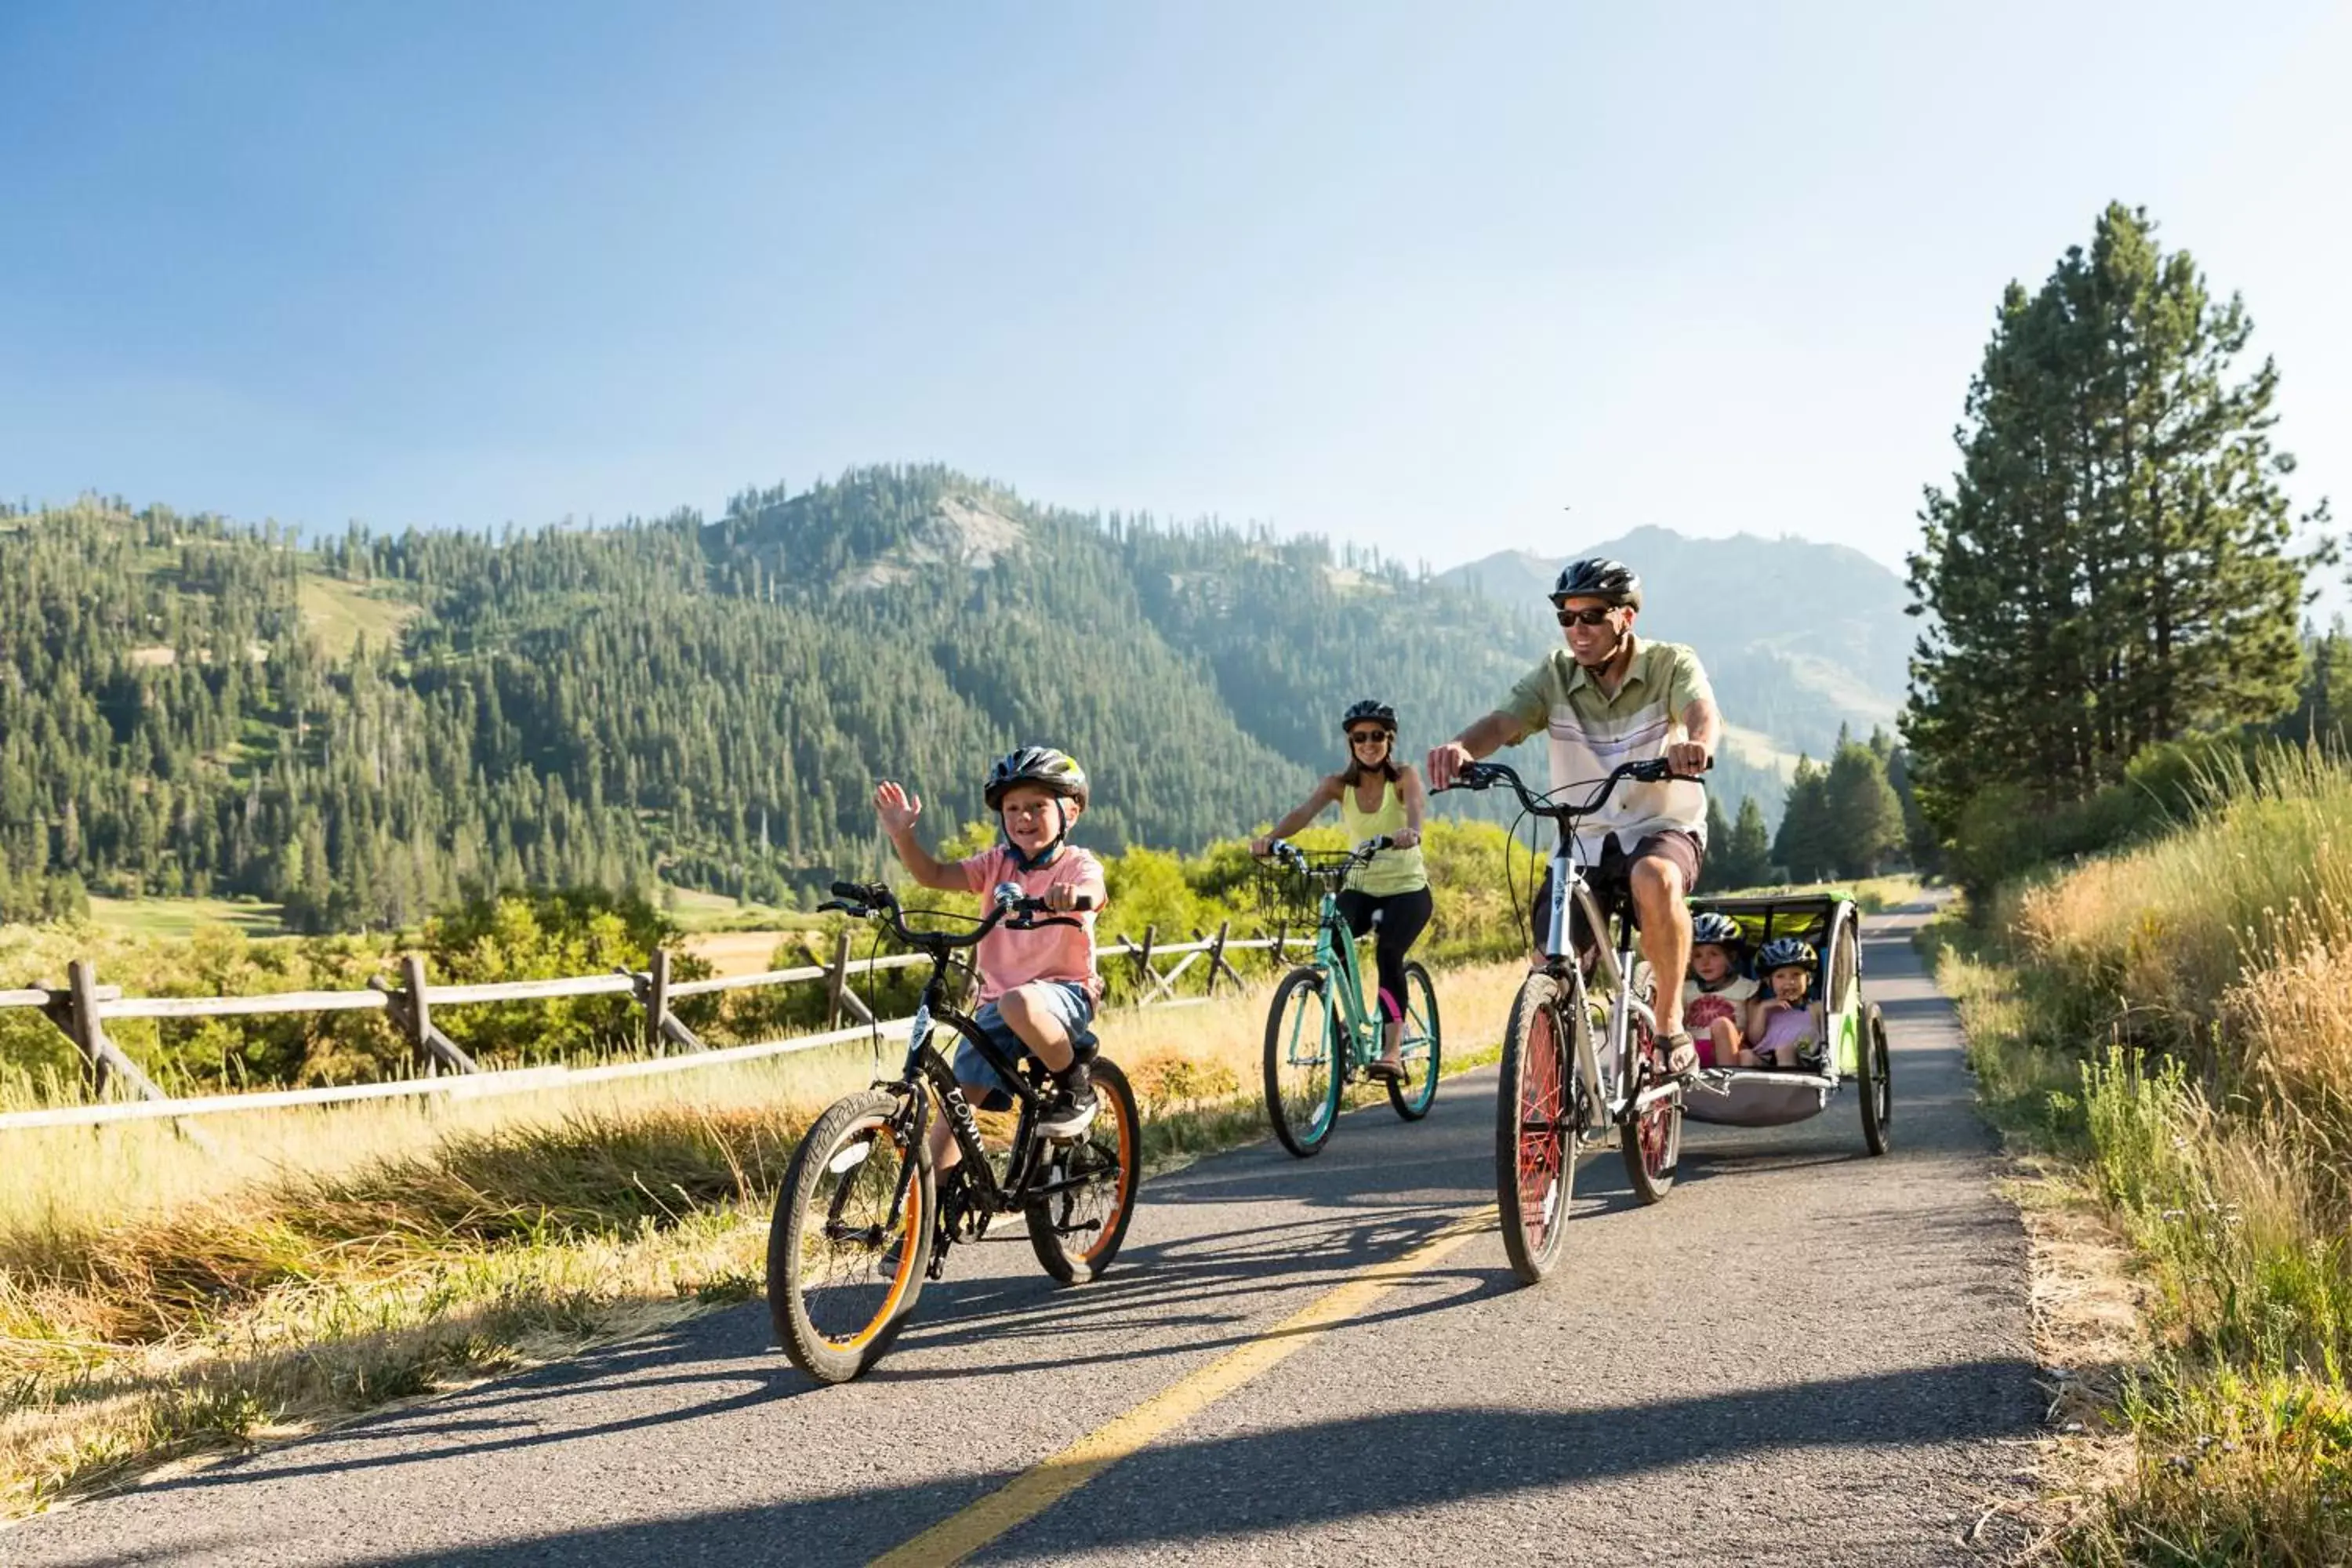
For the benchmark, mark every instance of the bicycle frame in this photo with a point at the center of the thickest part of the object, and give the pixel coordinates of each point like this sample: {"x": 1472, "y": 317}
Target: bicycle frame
{"x": 925, "y": 1064}
{"x": 1611, "y": 1098}
{"x": 1571, "y": 897}
{"x": 1335, "y": 955}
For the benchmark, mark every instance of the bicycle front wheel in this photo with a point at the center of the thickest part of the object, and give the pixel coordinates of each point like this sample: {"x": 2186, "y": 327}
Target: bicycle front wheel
{"x": 1302, "y": 1061}
{"x": 1075, "y": 1229}
{"x": 1539, "y": 1108}
{"x": 843, "y": 1276}
{"x": 1417, "y": 1047}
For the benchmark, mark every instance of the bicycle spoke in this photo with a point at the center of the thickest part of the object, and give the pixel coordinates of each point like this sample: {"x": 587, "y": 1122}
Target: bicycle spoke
{"x": 850, "y": 1255}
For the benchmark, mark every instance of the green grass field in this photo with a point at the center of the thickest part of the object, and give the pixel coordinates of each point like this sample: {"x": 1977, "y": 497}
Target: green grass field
{"x": 339, "y": 614}
{"x": 698, "y": 911}
{"x": 181, "y": 917}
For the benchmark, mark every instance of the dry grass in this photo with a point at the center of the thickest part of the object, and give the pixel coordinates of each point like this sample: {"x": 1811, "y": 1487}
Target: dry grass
{"x": 2172, "y": 1029}
{"x": 157, "y": 1300}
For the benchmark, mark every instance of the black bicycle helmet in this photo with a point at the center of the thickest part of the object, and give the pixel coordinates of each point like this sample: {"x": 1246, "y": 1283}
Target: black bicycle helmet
{"x": 1039, "y": 765}
{"x": 1380, "y": 713}
{"x": 1598, "y": 577}
{"x": 1786, "y": 952}
{"x": 1714, "y": 928}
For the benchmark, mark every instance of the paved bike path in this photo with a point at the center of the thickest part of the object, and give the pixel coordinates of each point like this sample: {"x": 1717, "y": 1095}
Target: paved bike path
{"x": 1805, "y": 1356}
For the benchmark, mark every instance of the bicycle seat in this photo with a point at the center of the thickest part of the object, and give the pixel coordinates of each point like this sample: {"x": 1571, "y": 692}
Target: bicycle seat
{"x": 1083, "y": 1046}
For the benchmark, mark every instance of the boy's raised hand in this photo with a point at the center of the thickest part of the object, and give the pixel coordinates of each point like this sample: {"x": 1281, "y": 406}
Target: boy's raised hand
{"x": 895, "y": 807}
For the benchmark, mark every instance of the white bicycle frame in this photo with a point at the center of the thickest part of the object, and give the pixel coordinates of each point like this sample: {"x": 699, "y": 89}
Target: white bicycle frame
{"x": 1572, "y": 894}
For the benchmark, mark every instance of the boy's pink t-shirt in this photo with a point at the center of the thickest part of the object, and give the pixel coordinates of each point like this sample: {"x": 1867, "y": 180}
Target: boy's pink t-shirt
{"x": 1014, "y": 957}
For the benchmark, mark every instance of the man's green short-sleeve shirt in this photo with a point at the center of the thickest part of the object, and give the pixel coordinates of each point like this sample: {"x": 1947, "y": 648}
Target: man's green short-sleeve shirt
{"x": 1593, "y": 732}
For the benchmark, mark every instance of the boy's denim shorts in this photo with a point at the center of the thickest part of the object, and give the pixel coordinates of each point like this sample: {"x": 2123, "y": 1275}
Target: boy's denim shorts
{"x": 1070, "y": 1006}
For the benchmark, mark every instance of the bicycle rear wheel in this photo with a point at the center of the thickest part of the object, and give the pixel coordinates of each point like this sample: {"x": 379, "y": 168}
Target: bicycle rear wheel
{"x": 842, "y": 1278}
{"x": 1076, "y": 1233}
{"x": 1302, "y": 1062}
{"x": 1417, "y": 1047}
{"x": 1652, "y": 1142}
{"x": 1539, "y": 1108}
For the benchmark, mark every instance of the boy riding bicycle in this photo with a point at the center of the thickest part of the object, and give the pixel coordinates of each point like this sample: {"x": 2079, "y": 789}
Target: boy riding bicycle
{"x": 1038, "y": 989}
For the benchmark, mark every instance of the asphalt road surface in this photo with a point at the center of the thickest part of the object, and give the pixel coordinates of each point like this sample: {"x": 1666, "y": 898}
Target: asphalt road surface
{"x": 1804, "y": 1355}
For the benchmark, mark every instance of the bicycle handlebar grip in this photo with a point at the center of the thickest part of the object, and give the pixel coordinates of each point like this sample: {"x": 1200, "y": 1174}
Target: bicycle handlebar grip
{"x": 1013, "y": 902}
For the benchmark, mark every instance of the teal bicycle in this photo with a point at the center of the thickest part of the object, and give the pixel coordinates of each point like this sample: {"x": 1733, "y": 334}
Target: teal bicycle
{"x": 1319, "y": 1035}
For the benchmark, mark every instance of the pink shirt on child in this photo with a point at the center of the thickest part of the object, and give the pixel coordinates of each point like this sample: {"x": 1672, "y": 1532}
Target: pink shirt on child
{"x": 1009, "y": 959}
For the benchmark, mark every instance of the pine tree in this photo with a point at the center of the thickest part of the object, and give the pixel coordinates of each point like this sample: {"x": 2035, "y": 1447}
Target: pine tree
{"x": 2114, "y": 566}
{"x": 1746, "y": 861}
{"x": 1719, "y": 834}
{"x": 1805, "y": 847}
{"x": 1865, "y": 820}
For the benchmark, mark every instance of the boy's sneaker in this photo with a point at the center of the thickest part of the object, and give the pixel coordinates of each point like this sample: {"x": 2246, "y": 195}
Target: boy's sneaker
{"x": 1070, "y": 1112}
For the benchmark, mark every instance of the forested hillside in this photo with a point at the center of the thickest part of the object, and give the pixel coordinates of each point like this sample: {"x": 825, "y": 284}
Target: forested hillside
{"x": 364, "y": 728}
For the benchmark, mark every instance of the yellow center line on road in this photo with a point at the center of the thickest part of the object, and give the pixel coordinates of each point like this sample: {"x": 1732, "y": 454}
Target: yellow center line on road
{"x": 1035, "y": 1489}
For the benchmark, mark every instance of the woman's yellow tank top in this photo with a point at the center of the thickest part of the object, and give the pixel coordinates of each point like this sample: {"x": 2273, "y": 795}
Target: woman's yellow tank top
{"x": 1391, "y": 871}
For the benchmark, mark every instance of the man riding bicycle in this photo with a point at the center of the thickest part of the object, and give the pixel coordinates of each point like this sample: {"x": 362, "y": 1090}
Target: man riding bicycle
{"x": 1607, "y": 698}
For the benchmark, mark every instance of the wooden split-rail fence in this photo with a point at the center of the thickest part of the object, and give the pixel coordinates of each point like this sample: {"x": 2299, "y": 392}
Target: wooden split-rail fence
{"x": 82, "y": 1007}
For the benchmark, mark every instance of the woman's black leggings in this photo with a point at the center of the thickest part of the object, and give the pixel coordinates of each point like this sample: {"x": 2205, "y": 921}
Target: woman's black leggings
{"x": 1401, "y": 917}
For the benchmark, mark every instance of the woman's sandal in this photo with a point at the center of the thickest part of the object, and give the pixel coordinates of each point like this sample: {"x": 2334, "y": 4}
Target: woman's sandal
{"x": 1385, "y": 1071}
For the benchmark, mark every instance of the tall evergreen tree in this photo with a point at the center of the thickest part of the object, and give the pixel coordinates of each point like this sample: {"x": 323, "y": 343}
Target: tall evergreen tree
{"x": 2115, "y": 565}
{"x": 1718, "y": 833}
{"x": 1864, "y": 819}
{"x": 1744, "y": 860}
{"x": 1806, "y": 846}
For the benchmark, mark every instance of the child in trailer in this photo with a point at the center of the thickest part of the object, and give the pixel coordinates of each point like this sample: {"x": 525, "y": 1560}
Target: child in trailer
{"x": 1717, "y": 995}
{"x": 1038, "y": 989}
{"x": 1786, "y": 1029}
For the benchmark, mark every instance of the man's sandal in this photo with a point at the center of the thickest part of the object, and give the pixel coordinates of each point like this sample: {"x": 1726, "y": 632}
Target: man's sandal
{"x": 1681, "y": 1055}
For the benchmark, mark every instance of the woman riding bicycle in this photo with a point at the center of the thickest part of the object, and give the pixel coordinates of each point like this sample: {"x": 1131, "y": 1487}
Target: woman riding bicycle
{"x": 1376, "y": 796}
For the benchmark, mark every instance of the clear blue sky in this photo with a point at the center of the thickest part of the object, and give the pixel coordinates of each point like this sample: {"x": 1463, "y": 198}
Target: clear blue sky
{"x": 1414, "y": 276}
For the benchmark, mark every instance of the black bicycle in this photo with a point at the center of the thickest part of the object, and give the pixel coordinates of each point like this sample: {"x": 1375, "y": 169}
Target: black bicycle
{"x": 862, "y": 1221}
{"x": 1560, "y": 1090}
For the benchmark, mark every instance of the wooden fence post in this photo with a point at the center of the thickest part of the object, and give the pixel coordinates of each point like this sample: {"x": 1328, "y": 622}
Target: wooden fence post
{"x": 838, "y": 996}
{"x": 662, "y": 1025}
{"x": 77, "y": 1016}
{"x": 415, "y": 1015}
{"x": 1217, "y": 961}
{"x": 1143, "y": 975}
{"x": 657, "y": 997}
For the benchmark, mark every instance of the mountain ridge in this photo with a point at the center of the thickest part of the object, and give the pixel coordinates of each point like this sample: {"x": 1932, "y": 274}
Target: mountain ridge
{"x": 714, "y": 697}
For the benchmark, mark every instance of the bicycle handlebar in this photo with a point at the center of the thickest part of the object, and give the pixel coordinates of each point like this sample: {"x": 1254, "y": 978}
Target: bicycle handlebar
{"x": 867, "y": 900}
{"x": 1290, "y": 855}
{"x": 1486, "y": 775}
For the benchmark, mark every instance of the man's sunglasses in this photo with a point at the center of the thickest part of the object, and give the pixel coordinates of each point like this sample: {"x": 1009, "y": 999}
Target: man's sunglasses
{"x": 1366, "y": 737}
{"x": 1584, "y": 617}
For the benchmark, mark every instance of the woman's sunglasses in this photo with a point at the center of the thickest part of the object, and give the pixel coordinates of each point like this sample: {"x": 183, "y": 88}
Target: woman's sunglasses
{"x": 1366, "y": 737}
{"x": 1584, "y": 617}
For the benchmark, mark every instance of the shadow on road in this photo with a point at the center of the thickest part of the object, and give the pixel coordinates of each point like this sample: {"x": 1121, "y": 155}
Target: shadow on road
{"x": 1214, "y": 1284}
{"x": 1249, "y": 1482}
